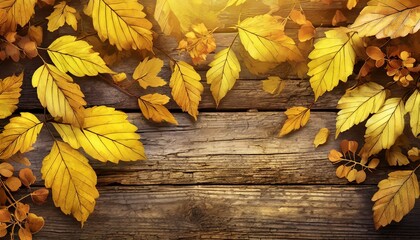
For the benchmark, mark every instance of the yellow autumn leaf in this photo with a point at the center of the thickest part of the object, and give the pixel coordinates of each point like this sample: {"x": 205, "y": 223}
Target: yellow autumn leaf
{"x": 264, "y": 38}
{"x": 76, "y": 56}
{"x": 234, "y": 3}
{"x": 395, "y": 157}
{"x": 395, "y": 198}
{"x": 356, "y": 105}
{"x": 384, "y": 127}
{"x": 175, "y": 17}
{"x": 413, "y": 107}
{"x": 106, "y": 135}
{"x": 17, "y": 12}
{"x": 273, "y": 85}
{"x": 151, "y": 105}
{"x": 297, "y": 117}
{"x": 388, "y": 18}
{"x": 59, "y": 94}
{"x": 62, "y": 13}
{"x": 254, "y": 66}
{"x": 72, "y": 180}
{"x": 186, "y": 87}
{"x": 123, "y": 23}
{"x": 198, "y": 43}
{"x": 332, "y": 60}
{"x": 321, "y": 137}
{"x": 223, "y": 73}
{"x": 10, "y": 89}
{"x": 19, "y": 135}
{"x": 351, "y": 4}
{"x": 146, "y": 73}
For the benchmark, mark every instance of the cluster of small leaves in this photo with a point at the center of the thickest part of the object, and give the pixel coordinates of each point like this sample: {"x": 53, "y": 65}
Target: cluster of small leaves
{"x": 15, "y": 215}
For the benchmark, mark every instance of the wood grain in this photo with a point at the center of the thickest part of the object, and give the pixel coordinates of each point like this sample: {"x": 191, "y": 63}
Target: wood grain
{"x": 228, "y": 212}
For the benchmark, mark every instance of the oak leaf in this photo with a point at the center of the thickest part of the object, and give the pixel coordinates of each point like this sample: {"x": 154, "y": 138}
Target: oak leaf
{"x": 76, "y": 56}
{"x": 332, "y": 60}
{"x": 10, "y": 89}
{"x": 273, "y": 85}
{"x": 72, "y": 180}
{"x": 59, "y": 94}
{"x": 384, "y": 127}
{"x": 106, "y": 135}
{"x": 395, "y": 198}
{"x": 123, "y": 23}
{"x": 223, "y": 73}
{"x": 356, "y": 105}
{"x": 19, "y": 135}
{"x": 413, "y": 108}
{"x": 146, "y": 73}
{"x": 264, "y": 38}
{"x": 17, "y": 12}
{"x": 62, "y": 13}
{"x": 186, "y": 87}
{"x": 151, "y": 105}
{"x": 297, "y": 117}
{"x": 388, "y": 18}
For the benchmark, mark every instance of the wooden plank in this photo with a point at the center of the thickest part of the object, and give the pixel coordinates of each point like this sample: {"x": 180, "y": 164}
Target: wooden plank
{"x": 228, "y": 212}
{"x": 222, "y": 148}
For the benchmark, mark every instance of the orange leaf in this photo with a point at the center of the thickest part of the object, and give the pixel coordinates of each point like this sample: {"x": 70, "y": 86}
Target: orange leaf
{"x": 338, "y": 18}
{"x": 27, "y": 176}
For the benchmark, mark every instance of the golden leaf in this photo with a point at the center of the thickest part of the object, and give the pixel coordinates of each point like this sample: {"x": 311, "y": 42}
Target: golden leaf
{"x": 151, "y": 105}
{"x": 273, "y": 85}
{"x": 306, "y": 32}
{"x": 72, "y": 180}
{"x": 233, "y": 3}
{"x": 24, "y": 234}
{"x": 62, "y": 13}
{"x": 414, "y": 154}
{"x": 10, "y": 89}
{"x": 19, "y": 135}
{"x": 356, "y": 105}
{"x": 388, "y": 18}
{"x": 264, "y": 38}
{"x": 384, "y": 127}
{"x": 57, "y": 92}
{"x": 351, "y": 4}
{"x": 223, "y": 73}
{"x": 123, "y": 23}
{"x": 297, "y": 17}
{"x": 35, "y": 33}
{"x": 198, "y": 43}
{"x": 395, "y": 198}
{"x": 297, "y": 117}
{"x": 186, "y": 87}
{"x": 35, "y": 223}
{"x": 76, "y": 56}
{"x": 146, "y": 73}
{"x": 254, "y": 66}
{"x": 413, "y": 107}
{"x": 16, "y": 12}
{"x": 106, "y": 135}
{"x": 321, "y": 137}
{"x": 395, "y": 157}
{"x": 333, "y": 60}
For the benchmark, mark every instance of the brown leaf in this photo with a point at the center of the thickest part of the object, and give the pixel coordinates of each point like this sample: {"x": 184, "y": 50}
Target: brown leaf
{"x": 35, "y": 223}
{"x": 335, "y": 156}
{"x": 27, "y": 176}
{"x": 306, "y": 32}
{"x": 414, "y": 154}
{"x": 40, "y": 196}
{"x": 35, "y": 33}
{"x": 3, "y": 229}
{"x": 360, "y": 176}
{"x": 373, "y": 163}
{"x": 13, "y": 52}
{"x": 24, "y": 234}
{"x": 5, "y": 215}
{"x": 375, "y": 53}
{"x": 21, "y": 211}
{"x": 3, "y": 197}
{"x": 11, "y": 37}
{"x": 349, "y": 146}
{"x": 338, "y": 18}
{"x": 13, "y": 183}
{"x": 297, "y": 17}
{"x": 6, "y": 169}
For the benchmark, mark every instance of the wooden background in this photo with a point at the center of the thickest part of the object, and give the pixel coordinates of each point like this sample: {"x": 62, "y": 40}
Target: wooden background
{"x": 226, "y": 176}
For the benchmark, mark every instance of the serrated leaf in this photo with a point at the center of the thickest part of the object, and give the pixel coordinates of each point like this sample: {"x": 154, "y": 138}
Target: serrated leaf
{"x": 123, "y": 23}
{"x": 388, "y": 18}
{"x": 321, "y": 137}
{"x": 223, "y": 73}
{"x": 186, "y": 87}
{"x": 413, "y": 107}
{"x": 395, "y": 198}
{"x": 19, "y": 135}
{"x": 356, "y": 105}
{"x": 62, "y": 13}
{"x": 297, "y": 117}
{"x": 384, "y": 127}
{"x": 10, "y": 89}
{"x": 151, "y": 105}
{"x": 332, "y": 60}
{"x": 254, "y": 66}
{"x": 273, "y": 85}
{"x": 106, "y": 135}
{"x": 17, "y": 12}
{"x": 264, "y": 38}
{"x": 395, "y": 157}
{"x": 57, "y": 92}
{"x": 76, "y": 56}
{"x": 146, "y": 73}
{"x": 72, "y": 180}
